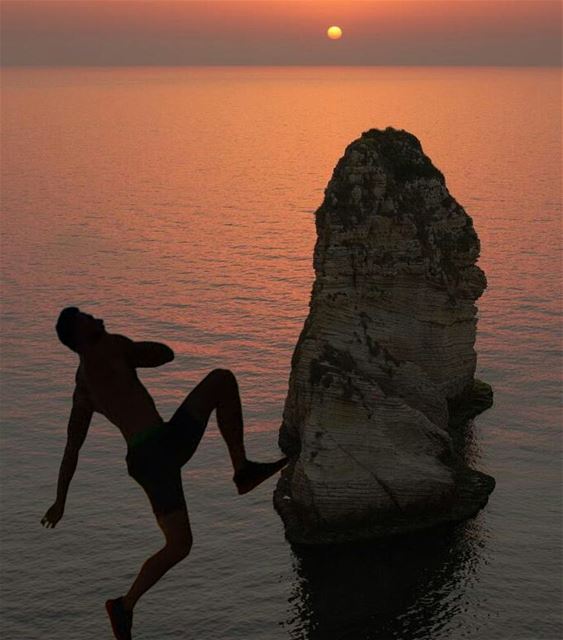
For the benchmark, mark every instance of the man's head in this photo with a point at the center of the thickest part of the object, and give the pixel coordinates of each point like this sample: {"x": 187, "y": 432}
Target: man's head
{"x": 77, "y": 329}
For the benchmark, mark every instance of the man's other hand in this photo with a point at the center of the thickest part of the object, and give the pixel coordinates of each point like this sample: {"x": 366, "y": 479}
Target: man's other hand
{"x": 53, "y": 515}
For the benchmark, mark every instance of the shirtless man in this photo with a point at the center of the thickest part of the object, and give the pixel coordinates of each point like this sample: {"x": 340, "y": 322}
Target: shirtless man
{"x": 106, "y": 381}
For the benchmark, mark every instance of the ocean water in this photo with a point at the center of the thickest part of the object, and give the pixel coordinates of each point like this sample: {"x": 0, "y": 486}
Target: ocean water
{"x": 178, "y": 205}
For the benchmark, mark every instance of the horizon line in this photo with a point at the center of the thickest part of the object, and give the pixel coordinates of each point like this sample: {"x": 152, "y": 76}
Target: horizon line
{"x": 303, "y": 65}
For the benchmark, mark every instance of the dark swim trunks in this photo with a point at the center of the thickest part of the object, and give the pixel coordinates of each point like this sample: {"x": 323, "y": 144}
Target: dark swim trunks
{"x": 156, "y": 459}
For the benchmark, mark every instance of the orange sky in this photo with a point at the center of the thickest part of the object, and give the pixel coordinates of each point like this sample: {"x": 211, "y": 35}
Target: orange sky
{"x": 281, "y": 32}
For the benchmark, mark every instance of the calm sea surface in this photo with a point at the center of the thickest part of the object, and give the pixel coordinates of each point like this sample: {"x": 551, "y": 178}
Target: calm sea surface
{"x": 177, "y": 204}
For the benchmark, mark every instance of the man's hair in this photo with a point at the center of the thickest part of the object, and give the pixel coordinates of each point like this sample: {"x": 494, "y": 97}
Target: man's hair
{"x": 65, "y": 327}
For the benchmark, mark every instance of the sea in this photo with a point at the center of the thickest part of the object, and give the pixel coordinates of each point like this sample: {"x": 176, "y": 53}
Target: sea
{"x": 178, "y": 205}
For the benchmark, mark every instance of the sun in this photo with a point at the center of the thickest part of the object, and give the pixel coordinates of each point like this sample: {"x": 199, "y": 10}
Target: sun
{"x": 334, "y": 33}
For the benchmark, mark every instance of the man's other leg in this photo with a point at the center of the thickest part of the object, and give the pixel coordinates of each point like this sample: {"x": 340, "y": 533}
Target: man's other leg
{"x": 178, "y": 536}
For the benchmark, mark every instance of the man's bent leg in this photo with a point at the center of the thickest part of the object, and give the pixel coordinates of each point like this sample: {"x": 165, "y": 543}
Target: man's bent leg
{"x": 177, "y": 531}
{"x": 248, "y": 474}
{"x": 218, "y": 390}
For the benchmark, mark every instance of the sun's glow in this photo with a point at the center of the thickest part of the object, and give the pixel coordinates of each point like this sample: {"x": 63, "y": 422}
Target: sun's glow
{"x": 334, "y": 33}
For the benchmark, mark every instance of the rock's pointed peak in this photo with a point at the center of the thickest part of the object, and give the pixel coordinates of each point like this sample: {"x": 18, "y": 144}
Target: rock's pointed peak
{"x": 384, "y": 172}
{"x": 387, "y": 198}
{"x": 390, "y": 135}
{"x": 400, "y": 154}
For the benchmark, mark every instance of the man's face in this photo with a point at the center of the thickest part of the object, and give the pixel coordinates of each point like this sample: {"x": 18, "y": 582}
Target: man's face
{"x": 87, "y": 327}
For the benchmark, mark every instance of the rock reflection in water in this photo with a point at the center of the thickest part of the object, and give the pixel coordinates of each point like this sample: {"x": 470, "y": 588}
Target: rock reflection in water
{"x": 405, "y": 588}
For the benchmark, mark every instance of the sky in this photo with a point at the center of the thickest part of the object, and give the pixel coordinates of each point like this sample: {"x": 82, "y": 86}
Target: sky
{"x": 280, "y": 32}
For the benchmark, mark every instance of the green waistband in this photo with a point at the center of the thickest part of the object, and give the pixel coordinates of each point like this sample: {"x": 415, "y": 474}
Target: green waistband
{"x": 146, "y": 435}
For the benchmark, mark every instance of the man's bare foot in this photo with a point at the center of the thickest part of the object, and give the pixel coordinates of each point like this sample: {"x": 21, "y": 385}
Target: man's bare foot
{"x": 254, "y": 473}
{"x": 121, "y": 619}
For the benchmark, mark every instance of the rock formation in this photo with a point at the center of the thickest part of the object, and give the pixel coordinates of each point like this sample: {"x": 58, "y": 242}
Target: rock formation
{"x": 385, "y": 364}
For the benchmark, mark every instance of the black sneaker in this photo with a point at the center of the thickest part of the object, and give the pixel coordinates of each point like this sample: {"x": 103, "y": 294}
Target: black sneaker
{"x": 121, "y": 619}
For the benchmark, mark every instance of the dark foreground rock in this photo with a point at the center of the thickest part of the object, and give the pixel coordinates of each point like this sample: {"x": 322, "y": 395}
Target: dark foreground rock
{"x": 384, "y": 366}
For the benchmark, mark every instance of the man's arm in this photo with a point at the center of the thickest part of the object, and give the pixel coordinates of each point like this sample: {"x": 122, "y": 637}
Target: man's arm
{"x": 78, "y": 424}
{"x": 147, "y": 354}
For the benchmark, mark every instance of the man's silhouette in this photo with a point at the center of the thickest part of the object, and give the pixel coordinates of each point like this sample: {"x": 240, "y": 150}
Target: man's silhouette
{"x": 106, "y": 381}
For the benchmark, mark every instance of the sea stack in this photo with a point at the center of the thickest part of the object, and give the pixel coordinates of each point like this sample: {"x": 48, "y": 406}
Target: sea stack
{"x": 382, "y": 375}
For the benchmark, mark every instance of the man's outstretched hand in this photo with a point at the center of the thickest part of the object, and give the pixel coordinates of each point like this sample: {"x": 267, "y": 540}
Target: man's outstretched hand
{"x": 53, "y": 515}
